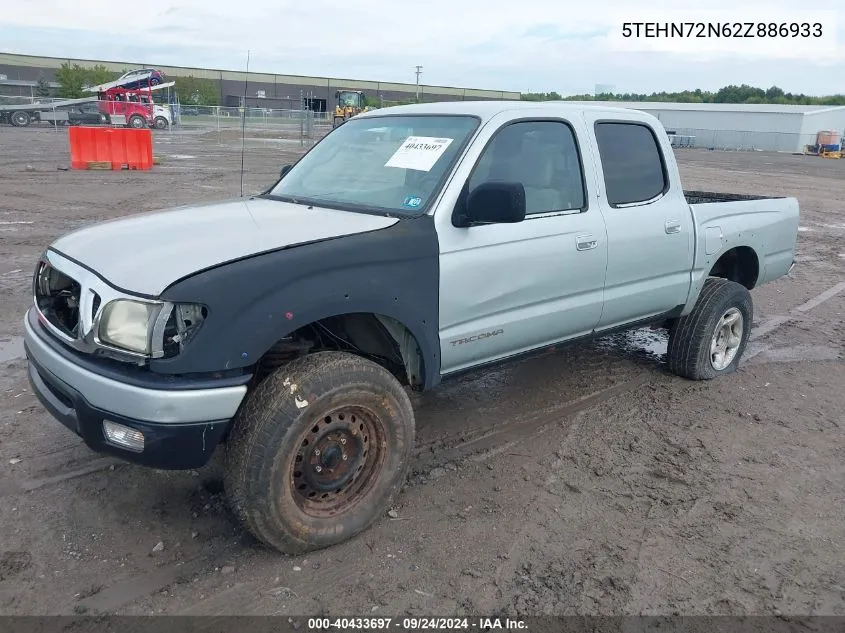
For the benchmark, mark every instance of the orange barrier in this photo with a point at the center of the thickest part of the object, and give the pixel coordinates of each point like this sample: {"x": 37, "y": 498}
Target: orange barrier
{"x": 124, "y": 148}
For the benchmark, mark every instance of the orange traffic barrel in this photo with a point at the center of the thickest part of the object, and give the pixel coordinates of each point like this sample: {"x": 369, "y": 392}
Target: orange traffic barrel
{"x": 124, "y": 148}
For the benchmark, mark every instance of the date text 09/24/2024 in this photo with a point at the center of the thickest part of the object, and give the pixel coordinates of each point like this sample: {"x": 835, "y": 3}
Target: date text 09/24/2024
{"x": 722, "y": 29}
{"x": 416, "y": 624}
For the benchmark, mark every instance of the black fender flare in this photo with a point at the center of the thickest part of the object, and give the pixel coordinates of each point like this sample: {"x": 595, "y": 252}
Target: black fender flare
{"x": 255, "y": 302}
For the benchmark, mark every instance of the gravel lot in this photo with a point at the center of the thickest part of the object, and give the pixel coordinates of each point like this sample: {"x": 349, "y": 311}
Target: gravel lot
{"x": 585, "y": 481}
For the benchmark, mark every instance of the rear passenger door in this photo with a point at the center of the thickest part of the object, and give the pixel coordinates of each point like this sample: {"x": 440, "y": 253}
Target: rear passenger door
{"x": 649, "y": 224}
{"x": 511, "y": 288}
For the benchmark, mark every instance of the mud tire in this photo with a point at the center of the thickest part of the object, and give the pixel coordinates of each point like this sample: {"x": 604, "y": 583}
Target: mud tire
{"x": 690, "y": 336}
{"x": 265, "y": 452}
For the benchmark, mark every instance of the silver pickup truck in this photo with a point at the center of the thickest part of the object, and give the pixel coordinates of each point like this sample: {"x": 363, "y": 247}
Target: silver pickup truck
{"x": 410, "y": 244}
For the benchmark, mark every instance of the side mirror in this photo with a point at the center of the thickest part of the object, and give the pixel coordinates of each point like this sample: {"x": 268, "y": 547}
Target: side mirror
{"x": 496, "y": 203}
{"x": 285, "y": 170}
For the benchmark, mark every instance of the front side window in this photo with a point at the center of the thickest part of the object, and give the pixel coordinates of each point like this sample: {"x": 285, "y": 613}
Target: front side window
{"x": 543, "y": 157}
{"x": 632, "y": 163}
{"x": 394, "y": 164}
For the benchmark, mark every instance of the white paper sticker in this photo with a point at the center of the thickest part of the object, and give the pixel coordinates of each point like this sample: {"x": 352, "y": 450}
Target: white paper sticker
{"x": 419, "y": 152}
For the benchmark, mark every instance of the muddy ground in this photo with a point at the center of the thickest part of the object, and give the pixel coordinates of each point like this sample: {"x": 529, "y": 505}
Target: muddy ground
{"x": 586, "y": 481}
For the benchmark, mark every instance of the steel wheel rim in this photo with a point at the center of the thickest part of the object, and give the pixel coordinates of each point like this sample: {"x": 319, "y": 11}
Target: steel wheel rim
{"x": 338, "y": 461}
{"x": 19, "y": 118}
{"x": 726, "y": 340}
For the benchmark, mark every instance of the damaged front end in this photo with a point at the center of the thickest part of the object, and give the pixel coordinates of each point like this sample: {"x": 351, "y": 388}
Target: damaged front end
{"x": 92, "y": 317}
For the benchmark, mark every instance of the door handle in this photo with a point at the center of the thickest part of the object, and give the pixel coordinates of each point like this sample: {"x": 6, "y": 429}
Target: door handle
{"x": 585, "y": 242}
{"x": 672, "y": 226}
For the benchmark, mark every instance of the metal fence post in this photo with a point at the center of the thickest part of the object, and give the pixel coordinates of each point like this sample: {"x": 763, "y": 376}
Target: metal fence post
{"x": 301, "y": 120}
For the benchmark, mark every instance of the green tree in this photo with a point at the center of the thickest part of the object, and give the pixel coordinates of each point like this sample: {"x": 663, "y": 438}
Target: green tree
{"x": 727, "y": 94}
{"x": 42, "y": 87}
{"x": 73, "y": 78}
{"x": 70, "y": 78}
{"x": 99, "y": 74}
{"x": 197, "y": 91}
{"x": 540, "y": 96}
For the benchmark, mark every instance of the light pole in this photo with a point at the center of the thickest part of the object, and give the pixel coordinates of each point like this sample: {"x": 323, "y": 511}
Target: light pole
{"x": 419, "y": 71}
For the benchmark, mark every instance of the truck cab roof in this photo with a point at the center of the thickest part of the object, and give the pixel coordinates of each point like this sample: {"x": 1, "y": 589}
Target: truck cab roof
{"x": 486, "y": 110}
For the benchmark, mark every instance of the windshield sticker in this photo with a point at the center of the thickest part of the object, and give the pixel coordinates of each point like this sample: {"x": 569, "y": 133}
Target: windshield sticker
{"x": 412, "y": 202}
{"x": 419, "y": 153}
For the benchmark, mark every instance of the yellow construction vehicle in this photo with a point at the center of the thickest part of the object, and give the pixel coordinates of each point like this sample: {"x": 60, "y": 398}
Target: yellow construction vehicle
{"x": 348, "y": 104}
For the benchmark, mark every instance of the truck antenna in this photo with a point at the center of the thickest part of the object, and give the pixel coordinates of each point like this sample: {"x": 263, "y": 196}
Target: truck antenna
{"x": 243, "y": 122}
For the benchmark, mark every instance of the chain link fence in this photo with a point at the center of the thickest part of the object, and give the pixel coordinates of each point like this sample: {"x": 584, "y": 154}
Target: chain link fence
{"x": 309, "y": 125}
{"x": 306, "y": 124}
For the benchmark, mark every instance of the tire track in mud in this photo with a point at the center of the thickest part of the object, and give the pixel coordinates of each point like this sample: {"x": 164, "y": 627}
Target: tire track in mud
{"x": 462, "y": 444}
{"x": 246, "y": 597}
{"x": 239, "y": 597}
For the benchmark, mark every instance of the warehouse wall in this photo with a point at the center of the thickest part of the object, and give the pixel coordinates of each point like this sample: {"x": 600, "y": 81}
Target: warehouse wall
{"x": 721, "y": 128}
{"x": 832, "y": 119}
{"x": 737, "y": 130}
{"x": 29, "y": 68}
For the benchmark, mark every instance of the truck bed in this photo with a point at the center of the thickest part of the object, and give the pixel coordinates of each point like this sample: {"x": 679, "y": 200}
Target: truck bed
{"x": 706, "y": 197}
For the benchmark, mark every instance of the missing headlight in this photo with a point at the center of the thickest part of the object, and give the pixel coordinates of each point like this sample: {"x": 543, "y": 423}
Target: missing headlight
{"x": 182, "y": 325}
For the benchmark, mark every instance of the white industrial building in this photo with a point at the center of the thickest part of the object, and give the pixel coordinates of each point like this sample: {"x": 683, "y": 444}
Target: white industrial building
{"x": 768, "y": 127}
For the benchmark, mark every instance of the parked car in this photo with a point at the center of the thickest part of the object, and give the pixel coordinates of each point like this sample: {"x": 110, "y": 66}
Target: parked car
{"x": 289, "y": 325}
{"x": 141, "y": 78}
{"x": 86, "y": 114}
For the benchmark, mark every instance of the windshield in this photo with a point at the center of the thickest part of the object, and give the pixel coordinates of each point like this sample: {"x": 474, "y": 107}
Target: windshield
{"x": 348, "y": 99}
{"x": 394, "y": 164}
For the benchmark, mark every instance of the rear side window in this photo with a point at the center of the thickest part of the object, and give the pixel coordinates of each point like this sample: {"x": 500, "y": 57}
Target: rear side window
{"x": 632, "y": 163}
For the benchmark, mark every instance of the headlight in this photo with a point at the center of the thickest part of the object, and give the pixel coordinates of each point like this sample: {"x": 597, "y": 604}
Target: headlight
{"x": 151, "y": 329}
{"x": 126, "y": 324}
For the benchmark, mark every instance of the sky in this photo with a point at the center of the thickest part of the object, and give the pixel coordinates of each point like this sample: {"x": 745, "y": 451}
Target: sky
{"x": 529, "y": 45}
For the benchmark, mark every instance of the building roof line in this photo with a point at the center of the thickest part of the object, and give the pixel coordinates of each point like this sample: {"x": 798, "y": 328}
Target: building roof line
{"x": 339, "y": 80}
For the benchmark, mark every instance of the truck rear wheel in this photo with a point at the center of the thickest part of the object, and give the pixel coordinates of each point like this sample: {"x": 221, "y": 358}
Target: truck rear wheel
{"x": 710, "y": 340}
{"x": 318, "y": 451}
{"x": 21, "y": 118}
{"x": 137, "y": 121}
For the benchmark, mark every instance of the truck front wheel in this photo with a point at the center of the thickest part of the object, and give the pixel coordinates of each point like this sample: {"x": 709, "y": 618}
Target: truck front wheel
{"x": 710, "y": 340}
{"x": 137, "y": 121}
{"x": 318, "y": 451}
{"x": 21, "y": 118}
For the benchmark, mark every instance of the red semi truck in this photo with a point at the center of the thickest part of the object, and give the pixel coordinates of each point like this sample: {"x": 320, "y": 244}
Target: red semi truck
{"x": 121, "y": 102}
{"x": 135, "y": 108}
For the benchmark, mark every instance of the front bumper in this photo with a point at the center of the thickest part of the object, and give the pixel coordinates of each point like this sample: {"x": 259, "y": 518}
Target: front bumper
{"x": 181, "y": 422}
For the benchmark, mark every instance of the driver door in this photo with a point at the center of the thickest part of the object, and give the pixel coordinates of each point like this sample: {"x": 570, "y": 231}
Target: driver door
{"x": 512, "y": 288}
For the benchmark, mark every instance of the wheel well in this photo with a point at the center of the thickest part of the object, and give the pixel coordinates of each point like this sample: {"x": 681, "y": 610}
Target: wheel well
{"x": 739, "y": 264}
{"x": 381, "y": 339}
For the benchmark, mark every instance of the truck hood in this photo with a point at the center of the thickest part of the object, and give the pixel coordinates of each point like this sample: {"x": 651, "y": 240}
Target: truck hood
{"x": 144, "y": 254}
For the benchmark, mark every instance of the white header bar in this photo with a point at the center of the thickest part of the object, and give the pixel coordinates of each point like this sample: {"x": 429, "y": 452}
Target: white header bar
{"x": 757, "y": 32}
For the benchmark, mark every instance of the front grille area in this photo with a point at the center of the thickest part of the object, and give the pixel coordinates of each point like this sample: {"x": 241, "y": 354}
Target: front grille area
{"x": 57, "y": 297}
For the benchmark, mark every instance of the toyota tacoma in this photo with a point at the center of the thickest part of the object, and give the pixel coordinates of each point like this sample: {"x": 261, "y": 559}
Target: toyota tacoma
{"x": 410, "y": 244}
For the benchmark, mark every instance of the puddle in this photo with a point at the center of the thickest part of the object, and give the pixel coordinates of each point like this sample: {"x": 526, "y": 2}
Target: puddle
{"x": 801, "y": 229}
{"x": 645, "y": 341}
{"x": 11, "y": 350}
{"x": 181, "y": 156}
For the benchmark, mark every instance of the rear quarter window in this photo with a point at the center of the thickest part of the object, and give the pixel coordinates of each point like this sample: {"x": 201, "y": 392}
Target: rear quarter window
{"x": 633, "y": 166}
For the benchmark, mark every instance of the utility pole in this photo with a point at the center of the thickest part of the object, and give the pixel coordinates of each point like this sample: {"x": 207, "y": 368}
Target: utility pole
{"x": 419, "y": 71}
